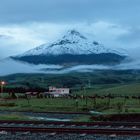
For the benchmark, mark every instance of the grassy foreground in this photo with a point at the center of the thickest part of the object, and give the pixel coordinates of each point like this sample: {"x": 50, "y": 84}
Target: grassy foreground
{"x": 106, "y": 105}
{"x": 14, "y": 116}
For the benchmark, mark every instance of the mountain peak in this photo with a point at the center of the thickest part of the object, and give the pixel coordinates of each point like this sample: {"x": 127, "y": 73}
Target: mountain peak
{"x": 73, "y": 48}
{"x": 74, "y": 33}
{"x": 73, "y": 42}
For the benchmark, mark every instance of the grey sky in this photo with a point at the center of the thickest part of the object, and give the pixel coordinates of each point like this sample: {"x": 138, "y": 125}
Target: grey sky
{"x": 25, "y": 24}
{"x": 18, "y": 11}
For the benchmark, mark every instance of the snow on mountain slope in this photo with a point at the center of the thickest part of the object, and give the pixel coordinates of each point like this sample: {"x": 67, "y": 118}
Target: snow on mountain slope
{"x": 72, "y": 49}
{"x": 71, "y": 43}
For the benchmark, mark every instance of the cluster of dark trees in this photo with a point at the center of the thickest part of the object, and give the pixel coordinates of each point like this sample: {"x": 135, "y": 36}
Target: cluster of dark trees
{"x": 23, "y": 90}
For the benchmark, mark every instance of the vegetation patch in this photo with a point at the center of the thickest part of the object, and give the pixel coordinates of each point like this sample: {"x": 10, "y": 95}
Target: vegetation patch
{"x": 13, "y": 116}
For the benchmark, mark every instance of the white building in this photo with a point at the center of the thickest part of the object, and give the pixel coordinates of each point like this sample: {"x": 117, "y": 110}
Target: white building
{"x": 59, "y": 91}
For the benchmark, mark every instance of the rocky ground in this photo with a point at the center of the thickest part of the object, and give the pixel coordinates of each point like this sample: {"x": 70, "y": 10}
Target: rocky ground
{"x": 52, "y": 136}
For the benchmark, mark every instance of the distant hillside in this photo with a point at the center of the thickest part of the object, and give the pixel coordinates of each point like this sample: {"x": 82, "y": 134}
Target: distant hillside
{"x": 74, "y": 80}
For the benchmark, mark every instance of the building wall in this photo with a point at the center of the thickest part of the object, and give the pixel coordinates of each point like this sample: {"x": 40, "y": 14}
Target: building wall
{"x": 59, "y": 90}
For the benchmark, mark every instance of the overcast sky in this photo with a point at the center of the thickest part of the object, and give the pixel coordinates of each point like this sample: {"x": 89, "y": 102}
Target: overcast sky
{"x": 25, "y": 24}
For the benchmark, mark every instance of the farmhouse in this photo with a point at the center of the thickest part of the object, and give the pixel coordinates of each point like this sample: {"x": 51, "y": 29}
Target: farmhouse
{"x": 56, "y": 92}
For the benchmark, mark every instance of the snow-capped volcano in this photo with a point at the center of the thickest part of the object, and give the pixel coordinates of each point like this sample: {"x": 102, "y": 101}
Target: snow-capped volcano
{"x": 71, "y": 43}
{"x": 72, "y": 48}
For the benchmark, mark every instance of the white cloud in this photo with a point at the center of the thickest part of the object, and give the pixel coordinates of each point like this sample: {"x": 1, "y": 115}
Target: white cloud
{"x": 21, "y": 67}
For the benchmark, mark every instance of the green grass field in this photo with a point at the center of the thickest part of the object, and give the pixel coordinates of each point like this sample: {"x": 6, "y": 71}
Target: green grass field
{"x": 106, "y": 105}
{"x": 113, "y": 89}
{"x": 115, "y": 83}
